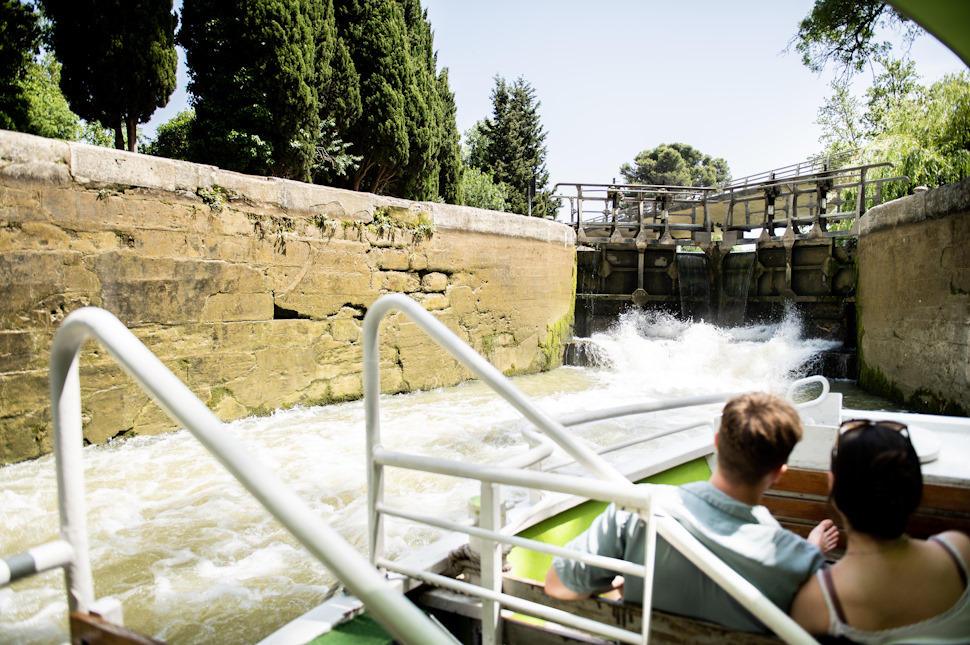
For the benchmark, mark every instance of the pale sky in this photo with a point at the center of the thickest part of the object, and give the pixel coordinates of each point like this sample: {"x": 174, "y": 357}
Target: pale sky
{"x": 619, "y": 76}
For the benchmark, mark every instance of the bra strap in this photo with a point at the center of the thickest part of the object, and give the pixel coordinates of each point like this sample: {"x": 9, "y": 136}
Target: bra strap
{"x": 836, "y": 603}
{"x": 957, "y": 560}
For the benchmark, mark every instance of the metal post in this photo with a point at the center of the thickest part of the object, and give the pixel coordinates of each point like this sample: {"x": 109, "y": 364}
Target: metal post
{"x": 860, "y": 202}
{"x": 793, "y": 205}
{"x": 491, "y": 561}
{"x": 65, "y": 389}
{"x": 649, "y": 560}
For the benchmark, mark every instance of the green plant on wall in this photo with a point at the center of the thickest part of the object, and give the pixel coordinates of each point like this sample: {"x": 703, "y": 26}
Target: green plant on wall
{"x": 214, "y": 198}
{"x": 326, "y": 225}
{"x": 389, "y": 222}
{"x": 272, "y": 225}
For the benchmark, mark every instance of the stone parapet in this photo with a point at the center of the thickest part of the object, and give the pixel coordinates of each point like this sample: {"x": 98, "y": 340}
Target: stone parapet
{"x": 251, "y": 289}
{"x": 914, "y": 300}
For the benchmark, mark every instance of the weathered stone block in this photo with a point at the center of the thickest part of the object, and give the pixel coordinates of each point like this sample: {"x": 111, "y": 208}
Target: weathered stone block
{"x": 400, "y": 282}
{"x": 434, "y": 281}
{"x": 346, "y": 330}
{"x": 19, "y": 148}
{"x": 395, "y": 260}
{"x": 346, "y": 387}
{"x": 417, "y": 261}
{"x": 433, "y": 301}
{"x": 235, "y": 307}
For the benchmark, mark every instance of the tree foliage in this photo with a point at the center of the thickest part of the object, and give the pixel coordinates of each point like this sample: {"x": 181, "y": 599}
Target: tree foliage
{"x": 926, "y": 135}
{"x": 510, "y": 146}
{"x": 118, "y": 58}
{"x": 482, "y": 191}
{"x": 841, "y": 118}
{"x": 253, "y": 66}
{"x": 19, "y": 41}
{"x": 676, "y": 164}
{"x": 923, "y": 131}
{"x": 174, "y": 138}
{"x": 405, "y": 133}
{"x": 843, "y": 32}
{"x": 48, "y": 114}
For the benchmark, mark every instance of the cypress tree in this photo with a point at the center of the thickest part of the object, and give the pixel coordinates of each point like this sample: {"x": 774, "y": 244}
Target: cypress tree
{"x": 254, "y": 78}
{"x": 450, "y": 167}
{"x": 377, "y": 37}
{"x": 390, "y": 105}
{"x": 19, "y": 41}
{"x": 118, "y": 57}
{"x": 339, "y": 98}
{"x": 424, "y": 109}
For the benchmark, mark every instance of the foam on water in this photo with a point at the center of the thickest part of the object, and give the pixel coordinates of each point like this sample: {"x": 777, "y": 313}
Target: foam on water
{"x": 194, "y": 559}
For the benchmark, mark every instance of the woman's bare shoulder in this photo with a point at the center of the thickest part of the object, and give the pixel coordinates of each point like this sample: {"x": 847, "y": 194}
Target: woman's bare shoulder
{"x": 809, "y": 609}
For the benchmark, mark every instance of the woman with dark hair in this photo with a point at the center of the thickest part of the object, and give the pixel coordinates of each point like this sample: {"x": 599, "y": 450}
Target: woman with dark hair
{"x": 888, "y": 587}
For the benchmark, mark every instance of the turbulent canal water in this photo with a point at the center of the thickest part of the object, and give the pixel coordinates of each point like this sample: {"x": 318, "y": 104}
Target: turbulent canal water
{"x": 194, "y": 559}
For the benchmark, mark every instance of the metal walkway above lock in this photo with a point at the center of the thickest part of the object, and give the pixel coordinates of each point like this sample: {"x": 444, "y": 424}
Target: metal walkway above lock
{"x": 803, "y": 200}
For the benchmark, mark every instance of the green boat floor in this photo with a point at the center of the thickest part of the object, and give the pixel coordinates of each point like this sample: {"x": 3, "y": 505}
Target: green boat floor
{"x": 362, "y": 630}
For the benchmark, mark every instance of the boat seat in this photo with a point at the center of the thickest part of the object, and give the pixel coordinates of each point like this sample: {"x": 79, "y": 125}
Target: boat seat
{"x": 799, "y": 500}
{"x": 664, "y": 628}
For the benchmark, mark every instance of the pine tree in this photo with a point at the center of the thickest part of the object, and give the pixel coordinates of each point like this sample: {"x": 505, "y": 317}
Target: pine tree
{"x": 514, "y": 150}
{"x": 254, "y": 76}
{"x": 118, "y": 57}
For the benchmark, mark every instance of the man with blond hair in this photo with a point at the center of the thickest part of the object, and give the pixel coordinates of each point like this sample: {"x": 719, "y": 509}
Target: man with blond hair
{"x": 757, "y": 433}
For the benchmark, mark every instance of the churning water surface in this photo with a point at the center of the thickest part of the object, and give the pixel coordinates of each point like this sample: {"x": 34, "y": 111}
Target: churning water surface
{"x": 194, "y": 559}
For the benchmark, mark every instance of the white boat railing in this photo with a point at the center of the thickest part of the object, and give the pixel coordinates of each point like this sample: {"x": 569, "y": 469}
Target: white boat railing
{"x": 387, "y": 604}
{"x": 610, "y": 486}
{"x": 389, "y": 607}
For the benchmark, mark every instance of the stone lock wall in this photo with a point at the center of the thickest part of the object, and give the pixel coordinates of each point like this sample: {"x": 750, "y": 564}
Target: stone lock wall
{"x": 914, "y": 300}
{"x": 252, "y": 290}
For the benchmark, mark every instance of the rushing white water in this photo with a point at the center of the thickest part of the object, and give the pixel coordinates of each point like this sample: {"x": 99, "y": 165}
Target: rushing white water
{"x": 194, "y": 559}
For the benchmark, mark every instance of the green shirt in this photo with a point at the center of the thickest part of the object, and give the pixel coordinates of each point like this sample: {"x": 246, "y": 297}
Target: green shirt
{"x": 747, "y": 538}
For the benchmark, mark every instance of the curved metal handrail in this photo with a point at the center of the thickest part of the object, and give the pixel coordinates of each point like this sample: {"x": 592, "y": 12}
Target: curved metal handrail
{"x": 391, "y": 609}
{"x": 490, "y": 591}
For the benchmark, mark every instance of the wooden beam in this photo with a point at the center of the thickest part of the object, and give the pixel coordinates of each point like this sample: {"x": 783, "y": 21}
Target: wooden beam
{"x": 87, "y": 629}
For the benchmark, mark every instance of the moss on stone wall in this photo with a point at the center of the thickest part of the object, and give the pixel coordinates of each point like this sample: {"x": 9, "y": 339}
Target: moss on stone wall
{"x": 922, "y": 400}
{"x": 912, "y": 301}
{"x": 560, "y": 332}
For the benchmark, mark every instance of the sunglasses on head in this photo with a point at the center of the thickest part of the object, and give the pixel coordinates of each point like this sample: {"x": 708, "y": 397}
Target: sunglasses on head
{"x": 861, "y": 425}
